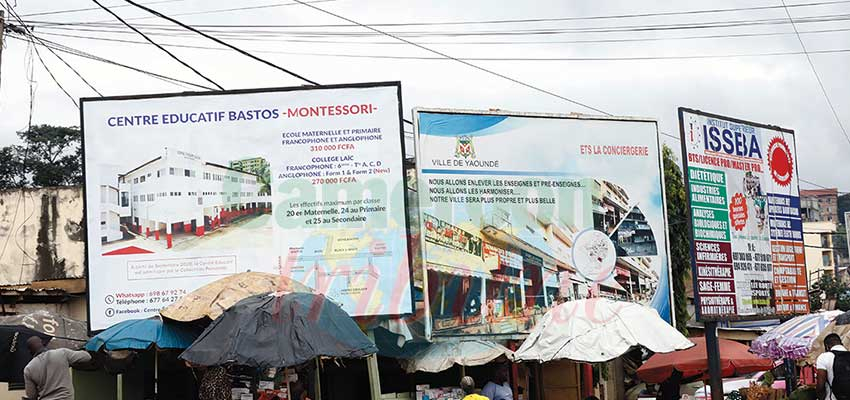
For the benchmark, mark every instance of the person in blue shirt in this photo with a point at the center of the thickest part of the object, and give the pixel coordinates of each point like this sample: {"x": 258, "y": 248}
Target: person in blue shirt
{"x": 499, "y": 388}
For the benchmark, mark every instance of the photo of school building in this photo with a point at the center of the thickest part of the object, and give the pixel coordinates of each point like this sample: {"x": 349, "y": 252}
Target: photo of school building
{"x": 178, "y": 193}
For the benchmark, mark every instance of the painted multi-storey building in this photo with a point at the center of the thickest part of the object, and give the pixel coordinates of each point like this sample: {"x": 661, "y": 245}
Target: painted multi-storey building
{"x": 178, "y": 192}
{"x": 819, "y": 205}
{"x": 252, "y": 165}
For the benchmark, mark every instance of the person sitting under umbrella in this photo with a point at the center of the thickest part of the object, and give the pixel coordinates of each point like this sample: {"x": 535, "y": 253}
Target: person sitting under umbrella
{"x": 467, "y": 384}
{"x": 47, "y": 376}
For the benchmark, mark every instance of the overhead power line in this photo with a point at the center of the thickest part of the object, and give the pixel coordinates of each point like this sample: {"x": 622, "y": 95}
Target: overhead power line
{"x": 79, "y": 53}
{"x": 75, "y": 10}
{"x": 15, "y": 15}
{"x": 326, "y": 32}
{"x": 501, "y": 21}
{"x": 817, "y": 76}
{"x": 467, "y": 63}
{"x": 185, "y": 64}
{"x": 29, "y": 33}
{"x": 214, "y": 39}
{"x": 460, "y": 42}
{"x": 385, "y": 56}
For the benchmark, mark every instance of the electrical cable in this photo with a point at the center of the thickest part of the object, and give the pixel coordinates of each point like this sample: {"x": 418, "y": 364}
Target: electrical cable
{"x": 442, "y": 43}
{"x": 74, "y": 10}
{"x": 30, "y": 34}
{"x": 214, "y": 39}
{"x": 157, "y": 45}
{"x": 380, "y": 56}
{"x": 80, "y": 53}
{"x": 817, "y": 76}
{"x": 110, "y": 27}
{"x": 510, "y": 21}
{"x": 456, "y": 59}
{"x": 41, "y": 60}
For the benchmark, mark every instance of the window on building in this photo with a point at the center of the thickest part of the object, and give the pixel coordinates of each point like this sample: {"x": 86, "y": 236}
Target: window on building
{"x": 151, "y": 197}
{"x": 135, "y": 180}
{"x": 142, "y": 179}
{"x": 827, "y": 258}
{"x": 200, "y": 201}
{"x": 125, "y": 199}
{"x": 141, "y": 198}
{"x": 824, "y": 241}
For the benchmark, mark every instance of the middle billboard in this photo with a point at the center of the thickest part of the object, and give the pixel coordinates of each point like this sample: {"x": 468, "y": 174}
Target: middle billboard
{"x": 521, "y": 211}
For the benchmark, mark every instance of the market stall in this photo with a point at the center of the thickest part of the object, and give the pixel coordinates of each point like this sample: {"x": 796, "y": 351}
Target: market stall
{"x": 280, "y": 335}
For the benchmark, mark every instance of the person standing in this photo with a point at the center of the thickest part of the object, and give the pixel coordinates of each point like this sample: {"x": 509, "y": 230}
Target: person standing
{"x": 467, "y": 384}
{"x": 47, "y": 376}
{"x": 499, "y": 388}
{"x": 833, "y": 377}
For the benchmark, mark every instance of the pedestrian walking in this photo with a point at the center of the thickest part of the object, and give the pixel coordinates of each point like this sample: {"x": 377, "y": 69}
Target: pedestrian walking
{"x": 47, "y": 375}
{"x": 833, "y": 366}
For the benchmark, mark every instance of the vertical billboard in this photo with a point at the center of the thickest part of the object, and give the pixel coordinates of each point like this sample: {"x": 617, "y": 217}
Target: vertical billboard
{"x": 747, "y": 249}
{"x": 521, "y": 211}
{"x": 184, "y": 189}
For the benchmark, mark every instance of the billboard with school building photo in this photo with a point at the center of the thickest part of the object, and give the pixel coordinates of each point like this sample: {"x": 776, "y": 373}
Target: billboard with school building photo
{"x": 519, "y": 212}
{"x": 184, "y": 189}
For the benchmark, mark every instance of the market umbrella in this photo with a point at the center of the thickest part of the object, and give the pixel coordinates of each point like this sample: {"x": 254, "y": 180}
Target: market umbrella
{"x": 66, "y": 332}
{"x": 212, "y": 299}
{"x": 14, "y": 355}
{"x": 271, "y": 330}
{"x": 598, "y": 330}
{"x": 840, "y": 326}
{"x": 443, "y": 355}
{"x": 793, "y": 338}
{"x": 143, "y": 334}
{"x": 735, "y": 359}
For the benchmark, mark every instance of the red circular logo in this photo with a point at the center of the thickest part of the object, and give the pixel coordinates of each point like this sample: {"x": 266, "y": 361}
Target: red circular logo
{"x": 781, "y": 163}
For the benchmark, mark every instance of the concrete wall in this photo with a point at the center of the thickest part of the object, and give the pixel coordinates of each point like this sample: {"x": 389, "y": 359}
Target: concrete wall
{"x": 41, "y": 236}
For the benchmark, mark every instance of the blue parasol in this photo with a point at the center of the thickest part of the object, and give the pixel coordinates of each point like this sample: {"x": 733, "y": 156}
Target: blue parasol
{"x": 142, "y": 334}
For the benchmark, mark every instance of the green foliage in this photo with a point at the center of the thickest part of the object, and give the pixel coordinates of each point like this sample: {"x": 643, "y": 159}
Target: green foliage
{"x": 768, "y": 379}
{"x": 830, "y": 286}
{"x": 264, "y": 179}
{"x": 677, "y": 216}
{"x": 803, "y": 393}
{"x": 815, "y": 303}
{"x": 843, "y": 301}
{"x": 49, "y": 156}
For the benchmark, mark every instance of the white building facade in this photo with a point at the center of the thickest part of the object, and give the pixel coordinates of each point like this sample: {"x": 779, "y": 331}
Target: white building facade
{"x": 179, "y": 193}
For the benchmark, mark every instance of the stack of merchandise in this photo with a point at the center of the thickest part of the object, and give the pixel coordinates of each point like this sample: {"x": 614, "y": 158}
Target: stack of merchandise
{"x": 425, "y": 392}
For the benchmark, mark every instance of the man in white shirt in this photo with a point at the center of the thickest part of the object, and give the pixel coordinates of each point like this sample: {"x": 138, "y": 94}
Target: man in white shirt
{"x": 499, "y": 388}
{"x": 824, "y": 364}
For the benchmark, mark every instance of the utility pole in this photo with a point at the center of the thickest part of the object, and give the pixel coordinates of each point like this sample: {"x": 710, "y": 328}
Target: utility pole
{"x": 2, "y": 29}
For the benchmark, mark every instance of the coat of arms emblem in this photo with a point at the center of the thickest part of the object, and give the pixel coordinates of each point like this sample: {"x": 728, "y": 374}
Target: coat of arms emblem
{"x": 464, "y": 147}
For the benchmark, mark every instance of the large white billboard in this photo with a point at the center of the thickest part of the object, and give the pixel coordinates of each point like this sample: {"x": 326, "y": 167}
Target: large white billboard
{"x": 184, "y": 189}
{"x": 520, "y": 211}
{"x": 747, "y": 251}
